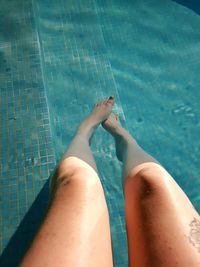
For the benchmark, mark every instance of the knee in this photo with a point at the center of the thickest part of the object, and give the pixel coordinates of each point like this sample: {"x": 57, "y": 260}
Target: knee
{"x": 148, "y": 179}
{"x": 74, "y": 170}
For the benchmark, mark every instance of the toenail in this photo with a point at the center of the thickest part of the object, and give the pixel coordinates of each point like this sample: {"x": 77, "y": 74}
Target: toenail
{"x": 111, "y": 97}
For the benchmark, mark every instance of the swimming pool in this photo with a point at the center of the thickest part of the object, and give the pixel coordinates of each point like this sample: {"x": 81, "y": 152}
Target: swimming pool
{"x": 57, "y": 59}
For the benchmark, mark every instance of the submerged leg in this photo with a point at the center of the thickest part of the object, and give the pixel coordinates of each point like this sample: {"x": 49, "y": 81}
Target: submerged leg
{"x": 76, "y": 230}
{"x": 127, "y": 149}
{"x": 80, "y": 145}
{"x": 162, "y": 225}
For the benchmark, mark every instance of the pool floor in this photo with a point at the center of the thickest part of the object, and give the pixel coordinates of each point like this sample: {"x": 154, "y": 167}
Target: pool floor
{"x": 58, "y": 58}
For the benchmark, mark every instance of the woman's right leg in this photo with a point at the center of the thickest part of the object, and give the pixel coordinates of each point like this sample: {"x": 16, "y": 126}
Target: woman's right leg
{"x": 76, "y": 229}
{"x": 162, "y": 225}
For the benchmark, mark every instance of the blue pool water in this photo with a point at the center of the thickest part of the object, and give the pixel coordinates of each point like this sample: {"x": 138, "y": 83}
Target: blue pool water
{"x": 57, "y": 59}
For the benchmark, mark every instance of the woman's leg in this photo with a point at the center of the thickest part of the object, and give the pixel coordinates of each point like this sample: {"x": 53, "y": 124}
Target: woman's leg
{"x": 127, "y": 149}
{"x": 76, "y": 230}
{"x": 163, "y": 227}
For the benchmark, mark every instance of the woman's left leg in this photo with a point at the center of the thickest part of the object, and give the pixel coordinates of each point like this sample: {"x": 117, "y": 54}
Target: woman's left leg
{"x": 76, "y": 230}
{"x": 162, "y": 224}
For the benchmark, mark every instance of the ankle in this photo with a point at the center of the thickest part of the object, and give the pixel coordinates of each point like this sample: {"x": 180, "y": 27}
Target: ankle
{"x": 123, "y": 134}
{"x": 86, "y": 130}
{"x": 88, "y": 123}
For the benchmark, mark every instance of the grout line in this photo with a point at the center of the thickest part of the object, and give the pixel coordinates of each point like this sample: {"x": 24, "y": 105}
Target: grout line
{"x": 110, "y": 65}
{"x": 42, "y": 66}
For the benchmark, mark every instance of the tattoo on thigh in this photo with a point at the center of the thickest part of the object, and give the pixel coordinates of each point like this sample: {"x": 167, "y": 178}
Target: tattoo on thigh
{"x": 194, "y": 234}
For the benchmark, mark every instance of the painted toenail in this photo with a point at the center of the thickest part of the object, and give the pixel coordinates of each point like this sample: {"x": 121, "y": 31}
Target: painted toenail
{"x": 111, "y": 97}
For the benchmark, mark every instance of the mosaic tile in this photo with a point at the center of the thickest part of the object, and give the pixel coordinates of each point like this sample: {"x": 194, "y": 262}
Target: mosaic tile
{"x": 24, "y": 99}
{"x": 51, "y": 77}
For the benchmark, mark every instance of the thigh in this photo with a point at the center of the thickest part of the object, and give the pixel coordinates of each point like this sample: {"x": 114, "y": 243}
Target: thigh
{"x": 160, "y": 220}
{"x": 76, "y": 229}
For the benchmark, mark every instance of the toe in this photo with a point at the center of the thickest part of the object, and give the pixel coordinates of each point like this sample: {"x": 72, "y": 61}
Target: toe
{"x": 99, "y": 103}
{"x": 114, "y": 116}
{"x": 110, "y": 100}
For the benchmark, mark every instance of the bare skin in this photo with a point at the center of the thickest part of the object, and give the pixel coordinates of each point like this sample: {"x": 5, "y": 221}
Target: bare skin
{"x": 162, "y": 225}
{"x": 127, "y": 149}
{"x": 76, "y": 230}
{"x": 121, "y": 136}
{"x": 99, "y": 114}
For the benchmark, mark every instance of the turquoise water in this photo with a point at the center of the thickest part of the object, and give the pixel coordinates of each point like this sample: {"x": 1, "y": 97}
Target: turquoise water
{"x": 57, "y": 59}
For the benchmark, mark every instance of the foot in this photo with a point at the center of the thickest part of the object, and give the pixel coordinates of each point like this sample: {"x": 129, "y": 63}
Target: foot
{"x": 99, "y": 114}
{"x": 114, "y": 127}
